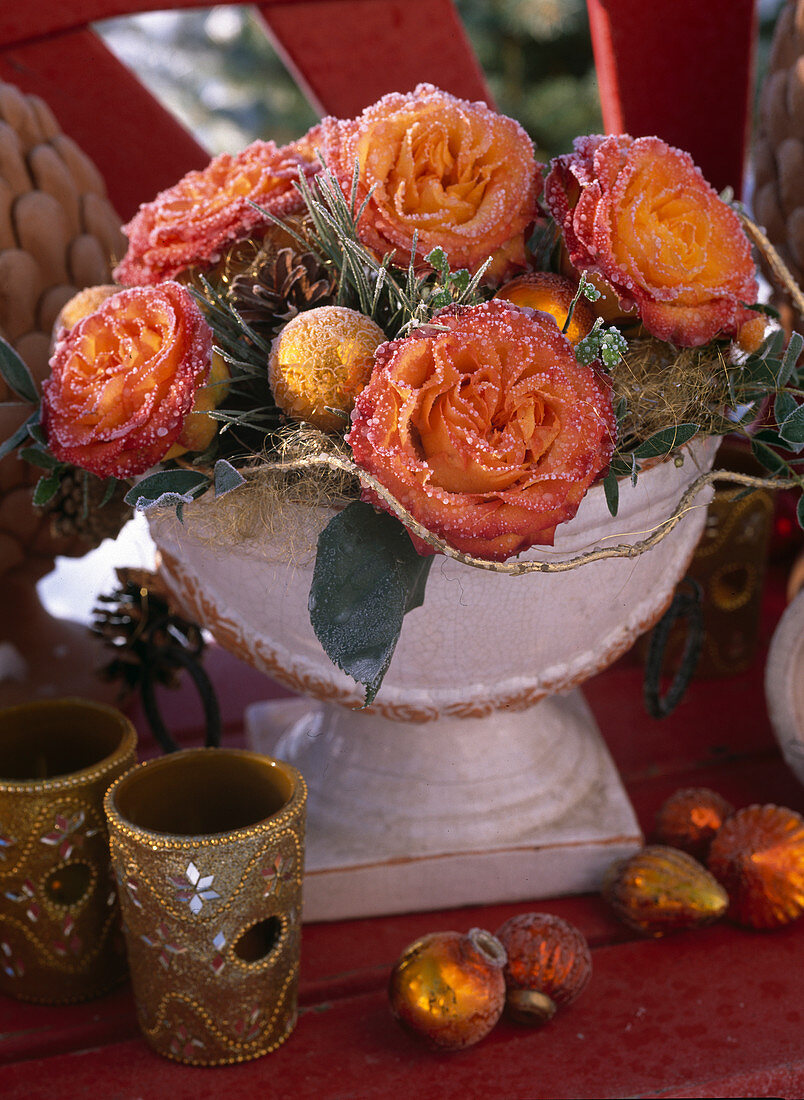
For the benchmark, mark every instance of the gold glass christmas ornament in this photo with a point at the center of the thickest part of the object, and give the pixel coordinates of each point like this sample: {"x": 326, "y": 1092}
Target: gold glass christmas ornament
{"x": 551, "y": 293}
{"x": 320, "y": 361}
{"x": 661, "y": 889}
{"x": 60, "y": 938}
{"x": 758, "y": 856}
{"x": 690, "y": 818}
{"x": 448, "y": 988}
{"x": 83, "y": 303}
{"x": 549, "y": 965}
{"x": 208, "y": 851}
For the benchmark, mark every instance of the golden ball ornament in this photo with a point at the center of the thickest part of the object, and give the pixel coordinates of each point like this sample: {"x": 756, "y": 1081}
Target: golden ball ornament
{"x": 758, "y": 856}
{"x": 690, "y": 818}
{"x": 549, "y": 965}
{"x": 448, "y": 989}
{"x": 83, "y": 303}
{"x": 553, "y": 294}
{"x": 319, "y": 363}
{"x": 661, "y": 889}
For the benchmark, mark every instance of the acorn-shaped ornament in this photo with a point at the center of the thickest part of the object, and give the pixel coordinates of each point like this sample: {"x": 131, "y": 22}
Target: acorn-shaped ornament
{"x": 448, "y": 989}
{"x": 661, "y": 889}
{"x": 758, "y": 855}
{"x": 549, "y": 965}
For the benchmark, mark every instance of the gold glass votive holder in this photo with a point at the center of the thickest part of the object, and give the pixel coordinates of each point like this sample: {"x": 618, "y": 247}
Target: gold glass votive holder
{"x": 60, "y": 938}
{"x": 208, "y": 851}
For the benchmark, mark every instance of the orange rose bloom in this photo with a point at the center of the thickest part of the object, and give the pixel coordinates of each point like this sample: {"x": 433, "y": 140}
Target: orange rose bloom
{"x": 124, "y": 379}
{"x": 488, "y": 433}
{"x": 640, "y": 214}
{"x": 459, "y": 174}
{"x": 205, "y": 211}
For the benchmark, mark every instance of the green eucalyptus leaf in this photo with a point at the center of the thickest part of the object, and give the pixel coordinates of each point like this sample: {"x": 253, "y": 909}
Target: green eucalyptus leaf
{"x": 783, "y": 405}
{"x": 800, "y": 511}
{"x": 792, "y": 428}
{"x": 768, "y": 458}
{"x": 46, "y": 489}
{"x": 109, "y": 487}
{"x": 790, "y": 359}
{"x": 226, "y": 477}
{"x": 16, "y": 374}
{"x": 611, "y": 487}
{"x": 166, "y": 488}
{"x": 35, "y": 456}
{"x": 666, "y": 440}
{"x": 19, "y": 436}
{"x": 622, "y": 465}
{"x": 367, "y": 575}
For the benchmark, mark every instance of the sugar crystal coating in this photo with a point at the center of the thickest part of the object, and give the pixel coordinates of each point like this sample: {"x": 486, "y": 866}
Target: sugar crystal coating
{"x": 485, "y": 428}
{"x": 191, "y": 222}
{"x": 124, "y": 379}
{"x": 457, "y": 174}
{"x": 639, "y": 213}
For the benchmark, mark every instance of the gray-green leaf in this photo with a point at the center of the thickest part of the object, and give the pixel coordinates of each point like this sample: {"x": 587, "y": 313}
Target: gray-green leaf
{"x": 16, "y": 374}
{"x": 367, "y": 575}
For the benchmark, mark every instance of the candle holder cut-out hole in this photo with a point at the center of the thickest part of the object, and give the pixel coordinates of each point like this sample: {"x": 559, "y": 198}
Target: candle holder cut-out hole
{"x": 69, "y": 884}
{"x": 258, "y": 941}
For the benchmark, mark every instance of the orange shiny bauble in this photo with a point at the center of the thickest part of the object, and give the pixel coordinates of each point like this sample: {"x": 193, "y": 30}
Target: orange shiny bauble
{"x": 690, "y": 818}
{"x": 552, "y": 294}
{"x": 549, "y": 965}
{"x": 758, "y": 856}
{"x": 448, "y": 989}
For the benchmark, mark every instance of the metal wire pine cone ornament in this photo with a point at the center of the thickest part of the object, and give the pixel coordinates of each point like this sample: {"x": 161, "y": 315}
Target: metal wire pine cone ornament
{"x": 758, "y": 855}
{"x": 778, "y": 200}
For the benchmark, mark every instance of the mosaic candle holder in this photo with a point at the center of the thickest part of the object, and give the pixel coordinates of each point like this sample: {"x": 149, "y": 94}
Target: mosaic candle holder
{"x": 208, "y": 851}
{"x": 60, "y": 935}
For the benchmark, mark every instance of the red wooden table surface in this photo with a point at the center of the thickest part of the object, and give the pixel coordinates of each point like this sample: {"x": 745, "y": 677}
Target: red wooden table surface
{"x": 716, "y": 1012}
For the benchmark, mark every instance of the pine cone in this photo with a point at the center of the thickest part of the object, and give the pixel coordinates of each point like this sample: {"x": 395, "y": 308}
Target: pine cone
{"x": 779, "y": 147}
{"x": 75, "y": 510}
{"x": 276, "y": 289}
{"x": 58, "y": 234}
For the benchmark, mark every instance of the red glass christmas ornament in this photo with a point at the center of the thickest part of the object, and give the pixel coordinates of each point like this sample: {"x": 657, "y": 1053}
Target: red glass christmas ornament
{"x": 448, "y": 989}
{"x": 549, "y": 965}
{"x": 690, "y": 818}
{"x": 758, "y": 856}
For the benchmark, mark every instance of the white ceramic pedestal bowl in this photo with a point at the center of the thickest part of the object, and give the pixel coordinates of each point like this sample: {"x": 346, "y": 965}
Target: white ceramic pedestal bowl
{"x": 784, "y": 684}
{"x": 478, "y": 774}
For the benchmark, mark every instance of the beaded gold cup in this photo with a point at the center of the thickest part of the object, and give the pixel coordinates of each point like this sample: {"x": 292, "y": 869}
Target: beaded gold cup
{"x": 208, "y": 851}
{"x": 60, "y": 937}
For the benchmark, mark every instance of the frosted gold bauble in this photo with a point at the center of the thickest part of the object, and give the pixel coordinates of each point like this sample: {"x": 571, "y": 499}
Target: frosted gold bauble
{"x": 319, "y": 363}
{"x": 448, "y": 989}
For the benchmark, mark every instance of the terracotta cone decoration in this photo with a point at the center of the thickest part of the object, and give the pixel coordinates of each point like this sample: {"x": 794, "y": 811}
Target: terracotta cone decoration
{"x": 58, "y": 234}
{"x": 779, "y": 146}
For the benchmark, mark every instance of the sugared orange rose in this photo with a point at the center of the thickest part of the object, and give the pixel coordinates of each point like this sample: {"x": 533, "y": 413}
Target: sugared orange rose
{"x": 486, "y": 428}
{"x": 124, "y": 379}
{"x": 193, "y": 221}
{"x": 640, "y": 214}
{"x": 456, "y": 173}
